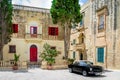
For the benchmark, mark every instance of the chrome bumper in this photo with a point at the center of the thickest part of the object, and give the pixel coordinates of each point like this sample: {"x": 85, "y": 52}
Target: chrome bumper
{"x": 96, "y": 73}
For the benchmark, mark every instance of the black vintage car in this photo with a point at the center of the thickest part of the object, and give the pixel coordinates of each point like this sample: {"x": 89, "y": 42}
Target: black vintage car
{"x": 85, "y": 67}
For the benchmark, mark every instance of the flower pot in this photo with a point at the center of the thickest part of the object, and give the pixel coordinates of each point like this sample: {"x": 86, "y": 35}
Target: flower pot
{"x": 49, "y": 67}
{"x": 15, "y": 67}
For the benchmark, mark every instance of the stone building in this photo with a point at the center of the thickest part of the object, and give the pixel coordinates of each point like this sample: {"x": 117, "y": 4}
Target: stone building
{"x": 80, "y": 35}
{"x": 102, "y": 40}
{"x": 32, "y": 28}
{"x": 105, "y": 33}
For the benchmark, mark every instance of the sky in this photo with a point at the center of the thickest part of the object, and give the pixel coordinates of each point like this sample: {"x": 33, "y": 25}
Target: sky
{"x": 39, "y": 3}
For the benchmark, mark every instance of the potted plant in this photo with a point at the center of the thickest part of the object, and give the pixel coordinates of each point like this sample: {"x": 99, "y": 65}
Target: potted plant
{"x": 16, "y": 59}
{"x": 48, "y": 55}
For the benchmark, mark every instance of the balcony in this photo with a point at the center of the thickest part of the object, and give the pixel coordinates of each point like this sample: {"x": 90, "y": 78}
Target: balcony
{"x": 80, "y": 46}
{"x": 33, "y": 36}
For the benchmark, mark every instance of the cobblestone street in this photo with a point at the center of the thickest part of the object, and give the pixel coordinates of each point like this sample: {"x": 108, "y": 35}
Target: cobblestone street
{"x": 38, "y": 74}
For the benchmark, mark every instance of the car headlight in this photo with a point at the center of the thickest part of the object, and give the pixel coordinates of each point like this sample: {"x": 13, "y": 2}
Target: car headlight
{"x": 91, "y": 69}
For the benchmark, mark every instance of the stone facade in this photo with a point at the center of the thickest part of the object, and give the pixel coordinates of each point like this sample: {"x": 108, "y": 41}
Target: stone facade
{"x": 23, "y": 40}
{"x": 102, "y": 32}
{"x": 80, "y": 36}
{"x": 107, "y": 38}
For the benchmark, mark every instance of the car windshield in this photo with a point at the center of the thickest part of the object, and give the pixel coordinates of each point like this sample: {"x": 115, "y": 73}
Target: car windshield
{"x": 88, "y": 62}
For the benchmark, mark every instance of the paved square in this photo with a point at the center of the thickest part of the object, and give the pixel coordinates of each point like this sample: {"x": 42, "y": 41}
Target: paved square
{"x": 39, "y": 74}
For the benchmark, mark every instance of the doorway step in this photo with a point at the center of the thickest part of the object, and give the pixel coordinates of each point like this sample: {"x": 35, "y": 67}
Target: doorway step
{"x": 33, "y": 64}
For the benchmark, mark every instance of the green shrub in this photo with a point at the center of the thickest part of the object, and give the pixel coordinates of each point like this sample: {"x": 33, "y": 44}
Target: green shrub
{"x": 70, "y": 61}
{"x": 48, "y": 54}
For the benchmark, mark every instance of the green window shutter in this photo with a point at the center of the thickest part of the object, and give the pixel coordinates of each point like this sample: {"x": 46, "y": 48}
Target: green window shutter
{"x": 73, "y": 55}
{"x": 74, "y": 41}
{"x": 100, "y": 54}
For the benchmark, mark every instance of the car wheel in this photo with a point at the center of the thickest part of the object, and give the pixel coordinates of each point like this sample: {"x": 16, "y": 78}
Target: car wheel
{"x": 84, "y": 73}
{"x": 70, "y": 70}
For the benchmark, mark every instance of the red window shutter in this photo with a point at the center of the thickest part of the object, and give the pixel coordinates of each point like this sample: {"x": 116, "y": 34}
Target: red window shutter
{"x": 15, "y": 28}
{"x": 49, "y": 30}
{"x": 52, "y": 31}
{"x": 56, "y": 31}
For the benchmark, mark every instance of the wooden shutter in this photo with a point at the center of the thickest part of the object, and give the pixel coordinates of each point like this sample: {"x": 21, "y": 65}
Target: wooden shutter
{"x": 49, "y": 30}
{"x": 100, "y": 55}
{"x": 53, "y": 31}
{"x": 15, "y": 28}
{"x": 56, "y": 31}
{"x": 73, "y": 55}
{"x": 74, "y": 41}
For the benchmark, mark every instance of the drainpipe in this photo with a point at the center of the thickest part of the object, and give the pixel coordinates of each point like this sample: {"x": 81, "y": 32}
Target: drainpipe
{"x": 106, "y": 44}
{"x": 114, "y": 33}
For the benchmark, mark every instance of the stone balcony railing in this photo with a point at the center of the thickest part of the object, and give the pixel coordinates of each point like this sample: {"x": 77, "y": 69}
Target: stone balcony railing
{"x": 7, "y": 65}
{"x": 33, "y": 36}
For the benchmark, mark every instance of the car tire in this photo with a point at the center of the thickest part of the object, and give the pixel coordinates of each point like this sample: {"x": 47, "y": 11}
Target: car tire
{"x": 70, "y": 70}
{"x": 84, "y": 73}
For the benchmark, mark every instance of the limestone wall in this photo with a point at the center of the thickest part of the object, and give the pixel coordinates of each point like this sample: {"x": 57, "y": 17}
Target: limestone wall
{"x": 23, "y": 48}
{"x": 34, "y": 17}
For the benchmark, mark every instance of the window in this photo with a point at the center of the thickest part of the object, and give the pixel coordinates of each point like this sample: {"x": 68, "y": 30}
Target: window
{"x": 12, "y": 49}
{"x": 82, "y": 40}
{"x": 53, "y": 48}
{"x": 15, "y": 28}
{"x": 101, "y": 22}
{"x": 73, "y": 55}
{"x": 33, "y": 30}
{"x": 81, "y": 23}
{"x": 82, "y": 63}
{"x": 82, "y": 20}
{"x": 76, "y": 63}
{"x": 53, "y": 31}
{"x": 74, "y": 41}
{"x": 100, "y": 54}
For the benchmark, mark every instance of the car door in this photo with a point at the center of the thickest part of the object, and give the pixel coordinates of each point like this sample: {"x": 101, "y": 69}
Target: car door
{"x": 81, "y": 66}
{"x": 75, "y": 66}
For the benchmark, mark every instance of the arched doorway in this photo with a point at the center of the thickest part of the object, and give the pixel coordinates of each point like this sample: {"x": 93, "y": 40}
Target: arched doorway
{"x": 33, "y": 53}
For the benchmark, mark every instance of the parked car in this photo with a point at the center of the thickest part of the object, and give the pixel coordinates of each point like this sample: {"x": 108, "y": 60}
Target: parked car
{"x": 85, "y": 67}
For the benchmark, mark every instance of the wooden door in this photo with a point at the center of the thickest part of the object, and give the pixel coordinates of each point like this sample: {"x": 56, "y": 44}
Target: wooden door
{"x": 33, "y": 53}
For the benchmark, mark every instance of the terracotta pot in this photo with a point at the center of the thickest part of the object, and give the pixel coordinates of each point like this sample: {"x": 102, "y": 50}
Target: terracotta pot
{"x": 15, "y": 67}
{"x": 49, "y": 67}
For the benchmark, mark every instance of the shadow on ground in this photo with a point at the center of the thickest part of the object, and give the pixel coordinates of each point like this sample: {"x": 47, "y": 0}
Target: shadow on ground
{"x": 93, "y": 76}
{"x": 15, "y": 71}
{"x": 108, "y": 71}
